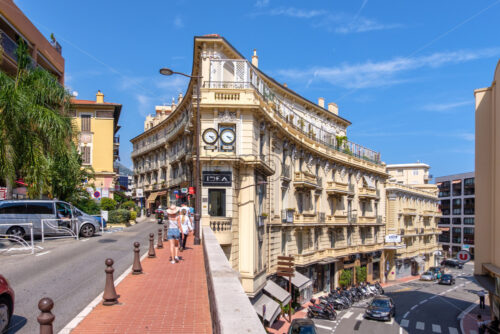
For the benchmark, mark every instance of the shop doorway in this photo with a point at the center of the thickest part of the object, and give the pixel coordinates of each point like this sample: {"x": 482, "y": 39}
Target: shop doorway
{"x": 217, "y": 202}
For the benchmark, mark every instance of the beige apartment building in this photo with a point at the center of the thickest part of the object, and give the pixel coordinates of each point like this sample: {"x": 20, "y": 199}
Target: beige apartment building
{"x": 279, "y": 176}
{"x": 487, "y": 214}
{"x": 412, "y": 221}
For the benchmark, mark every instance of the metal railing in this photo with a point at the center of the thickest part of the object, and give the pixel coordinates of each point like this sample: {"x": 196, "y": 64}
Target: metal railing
{"x": 67, "y": 228}
{"x": 20, "y": 240}
{"x": 227, "y": 84}
{"x": 221, "y": 225}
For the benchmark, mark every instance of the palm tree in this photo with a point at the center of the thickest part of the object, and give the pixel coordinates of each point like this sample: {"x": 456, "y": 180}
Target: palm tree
{"x": 35, "y": 125}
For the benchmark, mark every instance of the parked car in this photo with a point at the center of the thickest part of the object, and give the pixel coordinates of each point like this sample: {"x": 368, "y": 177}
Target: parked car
{"x": 15, "y": 213}
{"x": 302, "y": 326}
{"x": 452, "y": 263}
{"x": 381, "y": 308}
{"x": 428, "y": 276}
{"x": 6, "y": 304}
{"x": 447, "y": 279}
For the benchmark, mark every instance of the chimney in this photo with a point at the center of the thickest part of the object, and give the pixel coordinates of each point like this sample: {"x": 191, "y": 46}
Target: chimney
{"x": 255, "y": 58}
{"x": 179, "y": 99}
{"x": 321, "y": 102}
{"x": 332, "y": 107}
{"x": 99, "y": 97}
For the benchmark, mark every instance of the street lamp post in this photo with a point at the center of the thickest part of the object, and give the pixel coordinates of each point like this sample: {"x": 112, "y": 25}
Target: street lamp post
{"x": 197, "y": 215}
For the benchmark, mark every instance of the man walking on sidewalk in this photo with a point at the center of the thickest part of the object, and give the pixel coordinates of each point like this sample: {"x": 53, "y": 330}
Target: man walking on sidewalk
{"x": 481, "y": 299}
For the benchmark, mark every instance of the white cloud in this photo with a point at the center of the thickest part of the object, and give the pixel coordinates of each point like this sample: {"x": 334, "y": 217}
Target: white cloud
{"x": 364, "y": 25}
{"x": 261, "y": 3}
{"x": 178, "y": 22}
{"x": 295, "y": 12}
{"x": 443, "y": 107}
{"x": 383, "y": 73}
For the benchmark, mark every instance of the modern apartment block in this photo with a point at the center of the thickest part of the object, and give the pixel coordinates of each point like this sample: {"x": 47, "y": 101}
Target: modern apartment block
{"x": 97, "y": 123}
{"x": 487, "y": 261}
{"x": 279, "y": 176}
{"x": 15, "y": 26}
{"x": 457, "y": 202}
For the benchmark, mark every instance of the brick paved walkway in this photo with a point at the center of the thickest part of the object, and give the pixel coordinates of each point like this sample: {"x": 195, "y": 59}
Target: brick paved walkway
{"x": 168, "y": 298}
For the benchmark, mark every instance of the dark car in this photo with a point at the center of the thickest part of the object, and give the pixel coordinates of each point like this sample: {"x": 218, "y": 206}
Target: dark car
{"x": 452, "y": 264}
{"x": 302, "y": 326}
{"x": 381, "y": 308}
{"x": 447, "y": 279}
{"x": 6, "y": 304}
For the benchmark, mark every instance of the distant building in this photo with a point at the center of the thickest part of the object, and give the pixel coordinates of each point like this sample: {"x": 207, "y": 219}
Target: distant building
{"x": 414, "y": 173}
{"x": 457, "y": 201}
{"x": 97, "y": 122}
{"x": 487, "y": 261}
{"x": 15, "y": 26}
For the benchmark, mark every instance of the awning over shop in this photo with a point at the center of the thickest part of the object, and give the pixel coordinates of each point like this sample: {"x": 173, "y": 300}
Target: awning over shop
{"x": 299, "y": 281}
{"x": 368, "y": 181}
{"x": 277, "y": 292}
{"x": 162, "y": 193}
{"x": 152, "y": 197}
{"x": 272, "y": 308}
{"x": 419, "y": 259}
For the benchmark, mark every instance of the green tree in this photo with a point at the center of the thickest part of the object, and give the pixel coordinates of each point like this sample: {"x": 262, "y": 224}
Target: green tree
{"x": 35, "y": 126}
{"x": 361, "y": 274}
{"x": 108, "y": 204}
{"x": 345, "y": 277}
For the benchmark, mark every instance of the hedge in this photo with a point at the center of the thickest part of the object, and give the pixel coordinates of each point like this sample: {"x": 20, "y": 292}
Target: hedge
{"x": 128, "y": 205}
{"x": 120, "y": 216}
{"x": 133, "y": 215}
{"x": 108, "y": 204}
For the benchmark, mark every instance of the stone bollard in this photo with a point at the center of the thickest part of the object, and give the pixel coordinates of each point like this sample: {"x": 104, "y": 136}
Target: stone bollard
{"x": 110, "y": 297}
{"x": 165, "y": 232}
{"x": 46, "y": 318}
{"x": 160, "y": 240}
{"x": 136, "y": 267}
{"x": 151, "y": 252}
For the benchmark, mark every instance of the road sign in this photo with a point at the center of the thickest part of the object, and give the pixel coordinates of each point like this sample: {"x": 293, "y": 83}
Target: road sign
{"x": 286, "y": 264}
{"x": 463, "y": 256}
{"x": 97, "y": 194}
{"x": 184, "y": 190}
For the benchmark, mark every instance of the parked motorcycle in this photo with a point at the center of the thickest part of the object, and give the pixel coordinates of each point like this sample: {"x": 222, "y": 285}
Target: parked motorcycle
{"x": 321, "y": 312}
{"x": 159, "y": 216}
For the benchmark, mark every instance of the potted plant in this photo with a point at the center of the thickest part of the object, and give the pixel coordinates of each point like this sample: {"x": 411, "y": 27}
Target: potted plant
{"x": 341, "y": 140}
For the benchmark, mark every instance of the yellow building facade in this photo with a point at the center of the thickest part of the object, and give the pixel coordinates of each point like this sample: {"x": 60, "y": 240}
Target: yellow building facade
{"x": 412, "y": 230}
{"x": 279, "y": 176}
{"x": 97, "y": 124}
{"x": 487, "y": 213}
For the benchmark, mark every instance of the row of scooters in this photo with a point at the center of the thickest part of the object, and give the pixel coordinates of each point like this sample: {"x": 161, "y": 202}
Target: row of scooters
{"x": 342, "y": 299}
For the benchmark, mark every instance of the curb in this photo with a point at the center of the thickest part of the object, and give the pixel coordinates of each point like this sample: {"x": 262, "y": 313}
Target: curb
{"x": 87, "y": 309}
{"x": 386, "y": 285}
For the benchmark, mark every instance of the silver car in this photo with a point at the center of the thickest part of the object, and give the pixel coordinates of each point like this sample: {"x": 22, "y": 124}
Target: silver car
{"x": 427, "y": 276}
{"x": 16, "y": 214}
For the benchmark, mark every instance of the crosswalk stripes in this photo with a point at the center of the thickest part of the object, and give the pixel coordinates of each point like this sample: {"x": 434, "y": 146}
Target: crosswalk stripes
{"x": 347, "y": 315}
{"x": 436, "y": 328}
{"x": 420, "y": 325}
{"x": 453, "y": 330}
{"x": 405, "y": 322}
{"x": 360, "y": 316}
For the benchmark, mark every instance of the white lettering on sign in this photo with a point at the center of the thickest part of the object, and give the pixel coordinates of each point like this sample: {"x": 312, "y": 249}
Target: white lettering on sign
{"x": 392, "y": 238}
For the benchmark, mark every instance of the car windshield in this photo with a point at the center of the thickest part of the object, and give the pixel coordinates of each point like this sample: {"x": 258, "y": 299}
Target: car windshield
{"x": 304, "y": 329}
{"x": 380, "y": 303}
{"x": 446, "y": 276}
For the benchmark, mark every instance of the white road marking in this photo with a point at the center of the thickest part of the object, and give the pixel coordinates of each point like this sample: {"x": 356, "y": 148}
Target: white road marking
{"x": 400, "y": 330}
{"x": 413, "y": 307}
{"x": 83, "y": 240}
{"x": 433, "y": 297}
{"x": 453, "y": 330}
{"x": 436, "y": 328}
{"x": 420, "y": 325}
{"x": 43, "y": 253}
{"x": 360, "y": 316}
{"x": 405, "y": 323}
{"x": 320, "y": 326}
{"x": 406, "y": 314}
{"x": 423, "y": 301}
{"x": 392, "y": 321}
{"x": 347, "y": 315}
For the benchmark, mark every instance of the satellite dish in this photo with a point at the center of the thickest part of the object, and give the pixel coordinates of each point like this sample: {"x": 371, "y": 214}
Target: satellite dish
{"x": 75, "y": 93}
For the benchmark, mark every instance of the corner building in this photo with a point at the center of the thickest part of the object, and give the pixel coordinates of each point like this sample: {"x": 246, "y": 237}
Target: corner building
{"x": 279, "y": 176}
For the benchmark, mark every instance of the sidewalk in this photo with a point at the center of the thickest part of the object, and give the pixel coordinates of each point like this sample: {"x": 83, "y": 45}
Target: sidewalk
{"x": 281, "y": 325}
{"x": 399, "y": 281}
{"x": 469, "y": 321}
{"x": 167, "y": 298}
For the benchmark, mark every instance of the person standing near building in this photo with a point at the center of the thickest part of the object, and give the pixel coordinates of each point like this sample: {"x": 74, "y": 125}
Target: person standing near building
{"x": 173, "y": 234}
{"x": 185, "y": 225}
{"x": 482, "y": 295}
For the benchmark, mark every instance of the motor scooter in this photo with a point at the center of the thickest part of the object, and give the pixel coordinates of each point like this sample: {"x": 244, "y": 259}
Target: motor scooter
{"x": 321, "y": 312}
{"x": 159, "y": 216}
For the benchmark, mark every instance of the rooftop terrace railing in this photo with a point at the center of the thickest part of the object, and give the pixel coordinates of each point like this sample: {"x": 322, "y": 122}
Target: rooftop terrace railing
{"x": 340, "y": 144}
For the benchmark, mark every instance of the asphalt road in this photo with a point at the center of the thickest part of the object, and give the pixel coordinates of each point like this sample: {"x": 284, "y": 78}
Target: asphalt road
{"x": 69, "y": 271}
{"x": 421, "y": 307}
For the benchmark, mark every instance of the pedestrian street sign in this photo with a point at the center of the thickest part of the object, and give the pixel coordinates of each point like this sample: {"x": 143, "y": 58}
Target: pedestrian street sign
{"x": 463, "y": 256}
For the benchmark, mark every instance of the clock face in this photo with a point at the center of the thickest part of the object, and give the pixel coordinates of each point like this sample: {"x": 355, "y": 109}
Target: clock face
{"x": 227, "y": 136}
{"x": 210, "y": 136}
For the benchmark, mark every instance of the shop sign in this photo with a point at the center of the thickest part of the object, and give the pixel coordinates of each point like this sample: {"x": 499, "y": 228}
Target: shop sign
{"x": 184, "y": 190}
{"x": 139, "y": 192}
{"x": 222, "y": 179}
{"x": 392, "y": 238}
{"x": 3, "y": 193}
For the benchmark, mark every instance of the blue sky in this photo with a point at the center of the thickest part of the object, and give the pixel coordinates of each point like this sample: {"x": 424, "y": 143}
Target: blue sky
{"x": 403, "y": 72}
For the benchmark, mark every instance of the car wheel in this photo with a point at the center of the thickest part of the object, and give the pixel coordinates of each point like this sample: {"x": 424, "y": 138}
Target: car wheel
{"x": 87, "y": 230}
{"x": 5, "y": 314}
{"x": 16, "y": 231}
